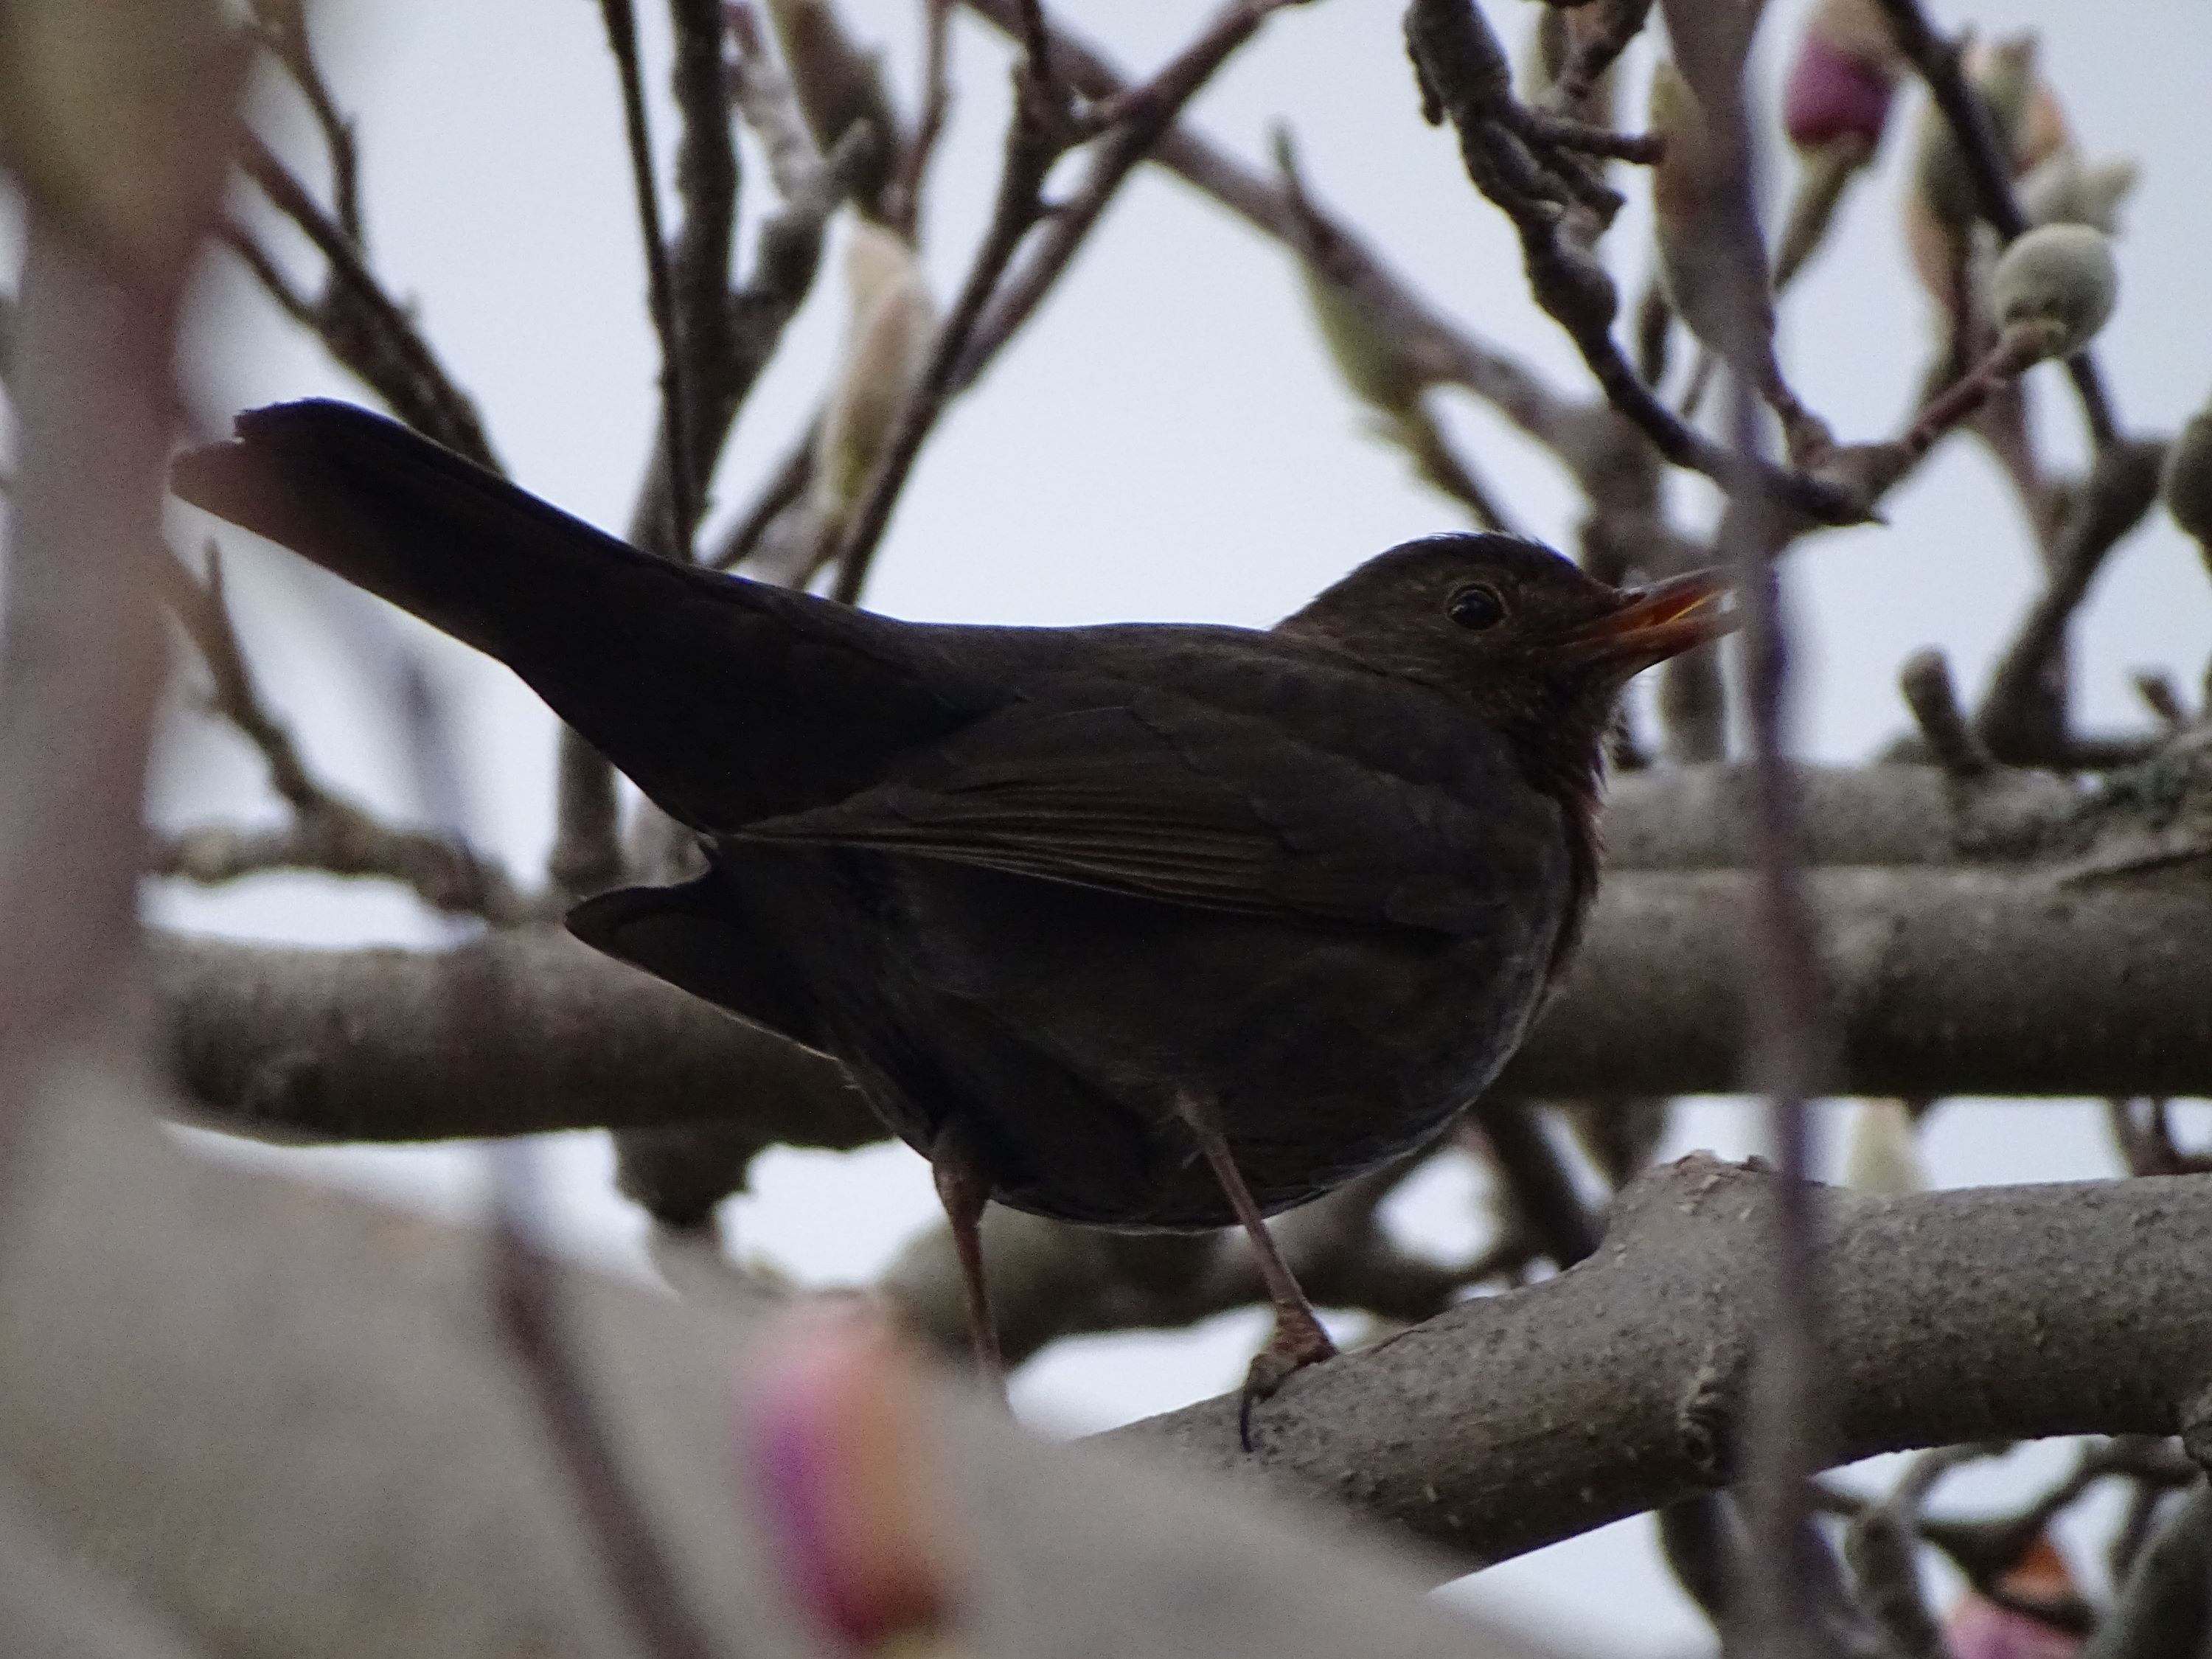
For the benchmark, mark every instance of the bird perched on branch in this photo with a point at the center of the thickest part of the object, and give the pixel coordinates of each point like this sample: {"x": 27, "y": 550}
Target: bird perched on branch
{"x": 1142, "y": 925}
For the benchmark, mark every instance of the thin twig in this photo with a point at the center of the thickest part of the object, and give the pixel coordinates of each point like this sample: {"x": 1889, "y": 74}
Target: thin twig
{"x": 363, "y": 327}
{"x": 936, "y": 104}
{"x": 327, "y": 832}
{"x": 283, "y": 30}
{"x": 1788, "y": 1430}
{"x": 533, "y": 1318}
{"x": 985, "y": 317}
{"x": 1464, "y": 78}
{"x": 1144, "y": 113}
{"x": 785, "y": 485}
{"x": 1940, "y": 63}
{"x": 621, "y": 21}
{"x": 1587, "y": 437}
{"x": 2016, "y": 717}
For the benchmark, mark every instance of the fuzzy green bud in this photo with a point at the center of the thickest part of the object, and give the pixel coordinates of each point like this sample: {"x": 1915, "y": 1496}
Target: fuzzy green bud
{"x": 2056, "y": 285}
{"x": 2185, "y": 483}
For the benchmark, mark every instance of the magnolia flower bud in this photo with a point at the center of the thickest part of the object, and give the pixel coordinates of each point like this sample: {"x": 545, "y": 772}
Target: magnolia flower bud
{"x": 2055, "y": 286}
{"x": 1367, "y": 353}
{"x": 1845, "y": 79}
{"x": 1943, "y": 204}
{"x": 1882, "y": 1157}
{"x": 2065, "y": 190}
{"x": 2185, "y": 484}
{"x": 893, "y": 325}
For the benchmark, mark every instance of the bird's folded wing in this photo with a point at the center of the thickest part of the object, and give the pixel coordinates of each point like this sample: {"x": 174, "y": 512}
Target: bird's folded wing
{"x": 1163, "y": 797}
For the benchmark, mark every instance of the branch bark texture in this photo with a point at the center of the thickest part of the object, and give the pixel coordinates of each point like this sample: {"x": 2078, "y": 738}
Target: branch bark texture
{"x": 1942, "y": 982}
{"x": 1513, "y": 1421}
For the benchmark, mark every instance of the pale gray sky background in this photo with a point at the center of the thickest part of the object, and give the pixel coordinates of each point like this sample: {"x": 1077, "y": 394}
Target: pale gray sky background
{"x": 1167, "y": 441}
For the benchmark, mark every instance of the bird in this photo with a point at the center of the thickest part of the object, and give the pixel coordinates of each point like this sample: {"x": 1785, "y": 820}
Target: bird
{"x": 1145, "y": 926}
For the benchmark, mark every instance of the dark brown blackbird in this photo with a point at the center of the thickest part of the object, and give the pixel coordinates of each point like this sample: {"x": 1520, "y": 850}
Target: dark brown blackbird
{"x": 1143, "y": 926}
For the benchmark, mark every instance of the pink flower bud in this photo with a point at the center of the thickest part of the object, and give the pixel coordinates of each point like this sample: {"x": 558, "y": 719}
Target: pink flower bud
{"x": 1835, "y": 92}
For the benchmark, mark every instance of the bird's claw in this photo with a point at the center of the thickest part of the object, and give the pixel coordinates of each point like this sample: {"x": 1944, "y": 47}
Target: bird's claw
{"x": 1295, "y": 1345}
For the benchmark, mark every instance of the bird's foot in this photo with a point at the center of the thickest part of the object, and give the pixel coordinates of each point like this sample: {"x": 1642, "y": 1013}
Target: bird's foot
{"x": 1296, "y": 1342}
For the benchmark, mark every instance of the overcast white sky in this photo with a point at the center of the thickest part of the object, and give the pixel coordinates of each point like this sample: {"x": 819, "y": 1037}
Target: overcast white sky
{"x": 1166, "y": 441}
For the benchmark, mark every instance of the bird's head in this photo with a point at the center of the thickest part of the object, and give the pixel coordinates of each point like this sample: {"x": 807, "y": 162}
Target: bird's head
{"x": 1516, "y": 633}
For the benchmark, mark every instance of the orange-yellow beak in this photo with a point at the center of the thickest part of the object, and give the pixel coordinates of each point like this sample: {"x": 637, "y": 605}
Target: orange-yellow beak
{"x": 1662, "y": 620}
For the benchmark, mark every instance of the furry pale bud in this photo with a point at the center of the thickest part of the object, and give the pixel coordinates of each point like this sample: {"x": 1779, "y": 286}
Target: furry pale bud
{"x": 2065, "y": 190}
{"x": 893, "y": 325}
{"x": 2185, "y": 484}
{"x": 2056, "y": 285}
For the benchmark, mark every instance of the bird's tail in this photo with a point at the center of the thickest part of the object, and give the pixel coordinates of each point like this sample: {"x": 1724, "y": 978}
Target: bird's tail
{"x": 725, "y": 700}
{"x": 392, "y": 511}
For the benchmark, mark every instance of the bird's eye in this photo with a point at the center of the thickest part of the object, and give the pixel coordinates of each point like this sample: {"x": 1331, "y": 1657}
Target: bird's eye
{"x": 1476, "y": 607}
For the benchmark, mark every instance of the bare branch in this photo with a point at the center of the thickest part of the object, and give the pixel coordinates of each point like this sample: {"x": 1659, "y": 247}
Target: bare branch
{"x": 680, "y": 513}
{"x": 364, "y": 328}
{"x": 1462, "y": 73}
{"x": 281, "y": 28}
{"x": 529, "y": 1297}
{"x": 1939, "y": 63}
{"x": 327, "y": 832}
{"x": 1627, "y": 1374}
{"x": 1945, "y": 982}
{"x": 985, "y": 316}
{"x": 2122, "y": 486}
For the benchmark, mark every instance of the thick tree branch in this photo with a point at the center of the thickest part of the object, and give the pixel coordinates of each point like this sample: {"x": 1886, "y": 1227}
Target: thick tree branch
{"x": 510, "y": 1035}
{"x": 1945, "y": 982}
{"x": 1515, "y": 1421}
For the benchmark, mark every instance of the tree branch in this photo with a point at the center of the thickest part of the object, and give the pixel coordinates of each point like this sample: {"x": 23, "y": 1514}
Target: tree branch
{"x": 1938, "y": 61}
{"x": 1512, "y": 1421}
{"x": 1945, "y": 982}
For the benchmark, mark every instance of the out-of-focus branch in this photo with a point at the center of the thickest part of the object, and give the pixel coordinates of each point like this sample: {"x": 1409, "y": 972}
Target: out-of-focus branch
{"x": 532, "y": 1304}
{"x": 2122, "y": 486}
{"x": 362, "y": 326}
{"x": 2164, "y": 1609}
{"x": 261, "y": 1407}
{"x": 327, "y": 832}
{"x": 1628, "y": 1374}
{"x": 115, "y": 136}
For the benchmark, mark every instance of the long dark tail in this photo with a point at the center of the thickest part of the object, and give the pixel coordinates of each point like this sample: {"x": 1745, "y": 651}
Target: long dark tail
{"x": 725, "y": 700}
{"x": 414, "y": 523}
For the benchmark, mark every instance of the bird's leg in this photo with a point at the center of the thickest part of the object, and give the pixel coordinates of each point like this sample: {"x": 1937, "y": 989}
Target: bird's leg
{"x": 1298, "y": 1339}
{"x": 963, "y": 1191}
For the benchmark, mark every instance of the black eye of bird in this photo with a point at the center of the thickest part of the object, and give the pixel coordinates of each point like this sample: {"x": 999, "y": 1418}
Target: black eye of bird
{"x": 1476, "y": 607}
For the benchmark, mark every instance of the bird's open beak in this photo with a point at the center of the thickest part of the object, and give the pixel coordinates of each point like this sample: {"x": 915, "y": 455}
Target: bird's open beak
{"x": 1662, "y": 620}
